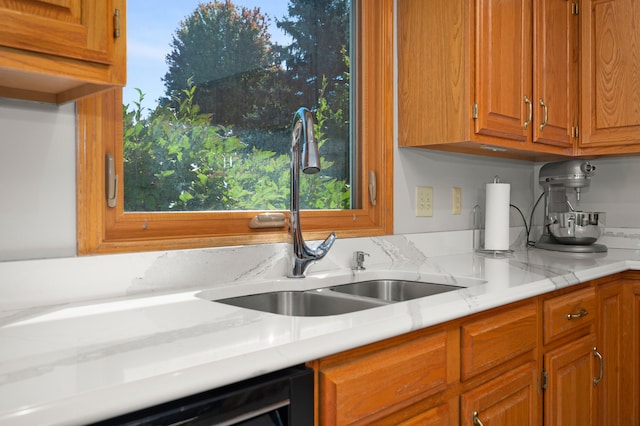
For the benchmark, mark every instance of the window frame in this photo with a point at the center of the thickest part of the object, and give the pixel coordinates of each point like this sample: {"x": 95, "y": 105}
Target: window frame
{"x": 101, "y": 229}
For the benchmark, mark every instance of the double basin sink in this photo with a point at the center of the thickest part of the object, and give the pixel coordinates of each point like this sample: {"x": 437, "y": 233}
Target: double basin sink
{"x": 339, "y": 299}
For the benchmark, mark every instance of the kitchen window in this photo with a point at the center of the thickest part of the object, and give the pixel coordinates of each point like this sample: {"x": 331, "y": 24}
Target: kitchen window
{"x": 103, "y": 229}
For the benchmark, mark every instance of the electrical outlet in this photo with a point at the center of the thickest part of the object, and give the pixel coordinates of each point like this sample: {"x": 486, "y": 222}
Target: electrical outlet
{"x": 456, "y": 200}
{"x": 424, "y": 201}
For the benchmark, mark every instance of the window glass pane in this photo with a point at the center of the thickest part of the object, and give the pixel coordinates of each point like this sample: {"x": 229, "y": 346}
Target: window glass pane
{"x": 212, "y": 91}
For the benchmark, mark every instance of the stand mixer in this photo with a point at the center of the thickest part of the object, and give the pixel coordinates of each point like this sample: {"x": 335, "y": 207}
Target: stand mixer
{"x": 566, "y": 229}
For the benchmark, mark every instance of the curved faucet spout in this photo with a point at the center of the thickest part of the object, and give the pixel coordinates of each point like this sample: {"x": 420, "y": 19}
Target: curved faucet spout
{"x": 306, "y": 157}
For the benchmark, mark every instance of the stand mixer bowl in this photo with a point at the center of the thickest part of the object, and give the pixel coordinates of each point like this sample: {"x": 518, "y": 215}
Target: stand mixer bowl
{"x": 576, "y": 227}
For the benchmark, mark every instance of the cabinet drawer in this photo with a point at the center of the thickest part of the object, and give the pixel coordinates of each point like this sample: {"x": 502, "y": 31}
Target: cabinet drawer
{"x": 497, "y": 338}
{"x": 377, "y": 383}
{"x": 568, "y": 313}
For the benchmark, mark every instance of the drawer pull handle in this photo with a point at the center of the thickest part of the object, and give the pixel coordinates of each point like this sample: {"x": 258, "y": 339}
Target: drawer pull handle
{"x": 583, "y": 312}
{"x": 545, "y": 110}
{"x": 476, "y": 419}
{"x": 527, "y": 101}
{"x": 597, "y": 354}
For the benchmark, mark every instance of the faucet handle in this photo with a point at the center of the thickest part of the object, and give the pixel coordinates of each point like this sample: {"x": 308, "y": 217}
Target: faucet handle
{"x": 324, "y": 247}
{"x": 358, "y": 260}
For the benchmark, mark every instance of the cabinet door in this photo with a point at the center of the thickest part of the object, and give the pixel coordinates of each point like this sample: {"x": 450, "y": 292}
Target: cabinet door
{"x": 632, "y": 390}
{"x": 569, "y": 397}
{"x": 630, "y": 368}
{"x": 77, "y": 29}
{"x": 364, "y": 385}
{"x": 510, "y": 399}
{"x": 443, "y": 414}
{"x": 433, "y": 100}
{"x": 610, "y": 109}
{"x": 611, "y": 344}
{"x": 619, "y": 343}
{"x": 555, "y": 75}
{"x": 503, "y": 51}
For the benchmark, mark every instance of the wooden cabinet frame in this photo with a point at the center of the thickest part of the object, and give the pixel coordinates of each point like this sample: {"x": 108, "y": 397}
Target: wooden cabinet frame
{"x": 52, "y": 51}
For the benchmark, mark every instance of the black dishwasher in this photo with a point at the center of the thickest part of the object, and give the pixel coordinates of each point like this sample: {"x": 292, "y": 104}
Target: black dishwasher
{"x": 282, "y": 398}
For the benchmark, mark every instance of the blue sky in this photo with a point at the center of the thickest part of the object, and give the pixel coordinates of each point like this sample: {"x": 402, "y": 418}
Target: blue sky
{"x": 150, "y": 29}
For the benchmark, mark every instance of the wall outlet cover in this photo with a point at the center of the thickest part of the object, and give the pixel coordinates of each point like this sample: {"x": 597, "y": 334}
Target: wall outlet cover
{"x": 424, "y": 201}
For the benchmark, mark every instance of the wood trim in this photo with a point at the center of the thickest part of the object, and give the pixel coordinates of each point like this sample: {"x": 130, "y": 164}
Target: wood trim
{"x": 104, "y": 230}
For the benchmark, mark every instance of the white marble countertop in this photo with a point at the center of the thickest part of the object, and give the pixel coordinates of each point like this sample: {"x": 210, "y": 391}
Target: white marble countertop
{"x": 86, "y": 361}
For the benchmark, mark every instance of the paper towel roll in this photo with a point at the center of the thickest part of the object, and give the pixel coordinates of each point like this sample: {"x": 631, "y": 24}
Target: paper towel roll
{"x": 496, "y": 218}
{"x": 496, "y": 272}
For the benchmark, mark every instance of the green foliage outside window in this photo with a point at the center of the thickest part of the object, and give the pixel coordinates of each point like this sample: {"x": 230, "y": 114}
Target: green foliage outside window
{"x": 175, "y": 160}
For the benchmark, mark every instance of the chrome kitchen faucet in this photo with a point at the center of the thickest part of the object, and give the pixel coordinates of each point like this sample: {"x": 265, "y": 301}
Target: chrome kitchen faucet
{"x": 305, "y": 157}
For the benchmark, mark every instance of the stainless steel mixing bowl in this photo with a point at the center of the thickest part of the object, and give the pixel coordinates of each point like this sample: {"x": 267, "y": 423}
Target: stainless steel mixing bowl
{"x": 581, "y": 228}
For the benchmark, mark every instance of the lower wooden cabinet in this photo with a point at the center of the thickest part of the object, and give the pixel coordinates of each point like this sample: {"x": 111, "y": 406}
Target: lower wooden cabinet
{"x": 565, "y": 314}
{"x": 444, "y": 414}
{"x": 490, "y": 341}
{"x": 628, "y": 368}
{"x": 632, "y": 383}
{"x": 610, "y": 393}
{"x": 569, "y": 389}
{"x": 539, "y": 361}
{"x": 509, "y": 399}
{"x": 366, "y": 384}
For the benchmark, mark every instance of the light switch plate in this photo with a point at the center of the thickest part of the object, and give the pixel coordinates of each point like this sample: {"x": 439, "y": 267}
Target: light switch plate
{"x": 456, "y": 200}
{"x": 424, "y": 201}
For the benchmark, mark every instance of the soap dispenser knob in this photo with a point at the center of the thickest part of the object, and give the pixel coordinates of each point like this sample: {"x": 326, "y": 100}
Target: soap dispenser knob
{"x": 358, "y": 260}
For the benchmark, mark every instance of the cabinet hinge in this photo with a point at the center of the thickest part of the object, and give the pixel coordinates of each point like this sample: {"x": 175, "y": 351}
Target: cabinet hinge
{"x": 116, "y": 23}
{"x": 544, "y": 380}
{"x": 575, "y": 9}
{"x": 575, "y": 132}
{"x": 475, "y": 111}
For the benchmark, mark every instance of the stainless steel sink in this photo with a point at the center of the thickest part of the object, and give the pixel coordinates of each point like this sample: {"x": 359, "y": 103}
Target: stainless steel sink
{"x": 340, "y": 299}
{"x": 302, "y": 303}
{"x": 394, "y": 290}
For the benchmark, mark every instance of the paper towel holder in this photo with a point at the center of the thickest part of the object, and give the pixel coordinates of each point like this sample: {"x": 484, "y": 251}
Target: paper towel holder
{"x": 478, "y": 237}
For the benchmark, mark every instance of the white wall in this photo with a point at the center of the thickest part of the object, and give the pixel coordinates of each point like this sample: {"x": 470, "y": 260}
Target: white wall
{"x": 615, "y": 190}
{"x": 37, "y": 180}
{"x": 443, "y": 171}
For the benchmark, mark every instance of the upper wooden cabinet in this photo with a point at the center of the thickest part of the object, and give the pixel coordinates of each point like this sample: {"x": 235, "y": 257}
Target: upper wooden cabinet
{"x": 60, "y": 50}
{"x": 610, "y": 108}
{"x": 502, "y": 77}
{"x": 466, "y": 76}
{"x": 555, "y": 72}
